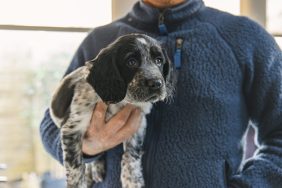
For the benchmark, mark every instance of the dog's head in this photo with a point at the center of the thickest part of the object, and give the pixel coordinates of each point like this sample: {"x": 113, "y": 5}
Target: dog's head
{"x": 133, "y": 68}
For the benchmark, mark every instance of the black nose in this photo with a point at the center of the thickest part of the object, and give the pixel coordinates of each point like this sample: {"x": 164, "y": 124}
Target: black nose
{"x": 154, "y": 83}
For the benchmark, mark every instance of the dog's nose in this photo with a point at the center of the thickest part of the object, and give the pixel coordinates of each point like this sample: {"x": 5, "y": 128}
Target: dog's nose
{"x": 154, "y": 83}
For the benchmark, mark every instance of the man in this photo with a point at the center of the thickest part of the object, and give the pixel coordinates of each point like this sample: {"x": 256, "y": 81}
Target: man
{"x": 229, "y": 73}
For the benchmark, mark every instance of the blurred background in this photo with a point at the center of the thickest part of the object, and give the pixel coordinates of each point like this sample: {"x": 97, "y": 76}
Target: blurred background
{"x": 37, "y": 41}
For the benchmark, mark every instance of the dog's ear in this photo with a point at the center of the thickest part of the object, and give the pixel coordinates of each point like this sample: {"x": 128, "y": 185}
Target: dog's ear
{"x": 167, "y": 68}
{"x": 105, "y": 77}
{"x": 62, "y": 99}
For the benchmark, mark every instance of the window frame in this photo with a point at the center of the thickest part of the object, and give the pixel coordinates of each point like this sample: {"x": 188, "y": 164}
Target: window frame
{"x": 44, "y": 28}
{"x": 87, "y": 29}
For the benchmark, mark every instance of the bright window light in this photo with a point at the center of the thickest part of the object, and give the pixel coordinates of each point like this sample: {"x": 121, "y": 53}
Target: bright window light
{"x": 65, "y": 13}
{"x": 279, "y": 41}
{"x": 31, "y": 65}
{"x": 274, "y": 16}
{"x": 231, "y": 6}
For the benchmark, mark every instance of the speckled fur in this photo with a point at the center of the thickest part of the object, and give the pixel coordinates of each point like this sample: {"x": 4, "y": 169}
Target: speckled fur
{"x": 73, "y": 124}
{"x": 74, "y": 128}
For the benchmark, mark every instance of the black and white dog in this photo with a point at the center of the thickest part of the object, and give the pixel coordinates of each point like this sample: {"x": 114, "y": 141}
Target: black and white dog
{"x": 133, "y": 69}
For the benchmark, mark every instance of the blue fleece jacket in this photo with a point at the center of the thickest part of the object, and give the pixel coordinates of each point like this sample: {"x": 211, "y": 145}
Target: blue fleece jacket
{"x": 229, "y": 74}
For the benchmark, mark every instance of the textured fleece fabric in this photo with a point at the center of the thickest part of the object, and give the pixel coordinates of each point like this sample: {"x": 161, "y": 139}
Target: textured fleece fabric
{"x": 230, "y": 75}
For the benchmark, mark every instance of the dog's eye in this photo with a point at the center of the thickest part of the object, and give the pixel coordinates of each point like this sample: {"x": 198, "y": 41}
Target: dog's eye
{"x": 132, "y": 63}
{"x": 159, "y": 61}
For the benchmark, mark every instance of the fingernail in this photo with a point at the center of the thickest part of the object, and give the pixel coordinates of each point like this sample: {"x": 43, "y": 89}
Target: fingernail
{"x": 99, "y": 114}
{"x": 137, "y": 110}
{"x": 102, "y": 104}
{"x": 129, "y": 105}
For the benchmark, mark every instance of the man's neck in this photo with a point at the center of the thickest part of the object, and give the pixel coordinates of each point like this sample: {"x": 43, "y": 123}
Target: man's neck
{"x": 163, "y": 3}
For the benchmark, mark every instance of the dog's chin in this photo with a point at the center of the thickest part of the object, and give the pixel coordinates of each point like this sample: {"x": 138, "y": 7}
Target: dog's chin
{"x": 145, "y": 99}
{"x": 153, "y": 98}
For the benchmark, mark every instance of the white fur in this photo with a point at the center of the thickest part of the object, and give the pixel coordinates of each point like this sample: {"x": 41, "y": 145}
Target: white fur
{"x": 142, "y": 40}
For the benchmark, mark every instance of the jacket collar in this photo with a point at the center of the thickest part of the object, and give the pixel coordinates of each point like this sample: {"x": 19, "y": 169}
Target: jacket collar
{"x": 145, "y": 13}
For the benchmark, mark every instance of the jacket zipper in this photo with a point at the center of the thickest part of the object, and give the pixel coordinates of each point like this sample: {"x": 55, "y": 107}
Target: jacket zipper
{"x": 177, "y": 53}
{"x": 151, "y": 144}
{"x": 155, "y": 129}
{"x": 162, "y": 26}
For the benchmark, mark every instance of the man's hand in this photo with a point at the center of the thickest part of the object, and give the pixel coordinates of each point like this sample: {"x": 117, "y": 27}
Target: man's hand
{"x": 101, "y": 136}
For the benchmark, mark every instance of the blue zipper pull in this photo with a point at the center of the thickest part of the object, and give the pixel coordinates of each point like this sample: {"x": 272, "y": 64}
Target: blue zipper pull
{"x": 177, "y": 53}
{"x": 162, "y": 26}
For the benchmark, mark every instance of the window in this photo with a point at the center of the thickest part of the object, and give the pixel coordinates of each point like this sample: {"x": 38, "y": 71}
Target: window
{"x": 279, "y": 41}
{"x": 273, "y": 19}
{"x": 274, "y": 16}
{"x": 62, "y": 13}
{"x": 37, "y": 45}
{"x": 231, "y": 6}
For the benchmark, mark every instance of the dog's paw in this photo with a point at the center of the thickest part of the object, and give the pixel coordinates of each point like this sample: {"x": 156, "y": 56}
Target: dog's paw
{"x": 98, "y": 171}
{"x": 131, "y": 170}
{"x": 97, "y": 177}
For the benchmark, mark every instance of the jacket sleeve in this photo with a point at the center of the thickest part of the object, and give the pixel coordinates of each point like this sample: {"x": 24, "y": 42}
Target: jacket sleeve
{"x": 49, "y": 132}
{"x": 263, "y": 95}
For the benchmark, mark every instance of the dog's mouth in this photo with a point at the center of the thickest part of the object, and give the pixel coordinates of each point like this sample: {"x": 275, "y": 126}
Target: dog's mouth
{"x": 152, "y": 98}
{"x": 156, "y": 97}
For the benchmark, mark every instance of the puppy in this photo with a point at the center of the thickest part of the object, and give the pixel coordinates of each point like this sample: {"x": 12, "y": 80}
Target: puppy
{"x": 133, "y": 69}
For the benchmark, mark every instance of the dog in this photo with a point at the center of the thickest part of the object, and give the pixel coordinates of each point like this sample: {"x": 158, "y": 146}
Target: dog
{"x": 133, "y": 69}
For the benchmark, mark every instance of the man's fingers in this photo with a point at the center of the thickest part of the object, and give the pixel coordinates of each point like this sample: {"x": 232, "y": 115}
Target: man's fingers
{"x": 131, "y": 126}
{"x": 98, "y": 116}
{"x": 118, "y": 120}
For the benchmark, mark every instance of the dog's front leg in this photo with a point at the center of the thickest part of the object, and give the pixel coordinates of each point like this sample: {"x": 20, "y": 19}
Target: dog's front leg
{"x": 131, "y": 164}
{"x": 75, "y": 168}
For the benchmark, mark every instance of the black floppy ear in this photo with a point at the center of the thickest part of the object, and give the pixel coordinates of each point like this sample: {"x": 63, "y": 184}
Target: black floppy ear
{"x": 167, "y": 68}
{"x": 105, "y": 77}
{"x": 62, "y": 98}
